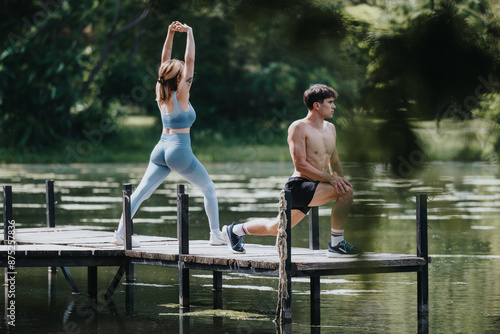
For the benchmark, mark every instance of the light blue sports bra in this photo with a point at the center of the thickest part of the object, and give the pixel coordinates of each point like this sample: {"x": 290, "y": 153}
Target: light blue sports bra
{"x": 178, "y": 119}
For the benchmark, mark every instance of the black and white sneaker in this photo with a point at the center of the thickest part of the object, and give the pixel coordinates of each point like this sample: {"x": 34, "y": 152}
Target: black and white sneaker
{"x": 343, "y": 249}
{"x": 234, "y": 242}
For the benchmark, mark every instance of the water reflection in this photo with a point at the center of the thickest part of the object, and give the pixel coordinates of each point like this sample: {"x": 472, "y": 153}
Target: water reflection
{"x": 464, "y": 211}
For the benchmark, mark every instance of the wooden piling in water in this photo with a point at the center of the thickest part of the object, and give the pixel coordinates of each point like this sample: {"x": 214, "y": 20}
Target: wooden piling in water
{"x": 127, "y": 216}
{"x": 92, "y": 282}
{"x": 315, "y": 280}
{"x": 50, "y": 210}
{"x": 183, "y": 238}
{"x": 128, "y": 231}
{"x": 217, "y": 290}
{"x": 314, "y": 228}
{"x": 50, "y": 203}
{"x": 288, "y": 262}
{"x": 423, "y": 272}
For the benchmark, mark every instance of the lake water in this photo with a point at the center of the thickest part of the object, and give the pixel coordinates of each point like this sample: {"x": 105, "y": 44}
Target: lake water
{"x": 464, "y": 243}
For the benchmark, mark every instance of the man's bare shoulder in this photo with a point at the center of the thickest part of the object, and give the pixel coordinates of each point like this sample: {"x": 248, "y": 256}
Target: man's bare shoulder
{"x": 298, "y": 125}
{"x": 330, "y": 127}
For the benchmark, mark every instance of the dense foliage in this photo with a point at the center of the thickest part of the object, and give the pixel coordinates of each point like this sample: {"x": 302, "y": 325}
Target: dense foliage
{"x": 71, "y": 68}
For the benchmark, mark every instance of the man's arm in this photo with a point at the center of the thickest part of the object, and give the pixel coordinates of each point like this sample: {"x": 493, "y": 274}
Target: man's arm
{"x": 336, "y": 170}
{"x": 335, "y": 166}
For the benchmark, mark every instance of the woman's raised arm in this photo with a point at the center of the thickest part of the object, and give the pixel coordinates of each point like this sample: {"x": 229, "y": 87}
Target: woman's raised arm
{"x": 166, "y": 53}
{"x": 188, "y": 72}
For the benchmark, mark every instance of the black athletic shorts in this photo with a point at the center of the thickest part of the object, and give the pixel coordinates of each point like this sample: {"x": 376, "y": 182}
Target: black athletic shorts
{"x": 302, "y": 191}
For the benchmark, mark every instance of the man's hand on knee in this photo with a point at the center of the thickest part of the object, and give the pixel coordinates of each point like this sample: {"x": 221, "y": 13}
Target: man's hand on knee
{"x": 340, "y": 184}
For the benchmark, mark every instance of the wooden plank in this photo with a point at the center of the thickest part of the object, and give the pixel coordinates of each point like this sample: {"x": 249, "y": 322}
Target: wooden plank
{"x": 51, "y": 230}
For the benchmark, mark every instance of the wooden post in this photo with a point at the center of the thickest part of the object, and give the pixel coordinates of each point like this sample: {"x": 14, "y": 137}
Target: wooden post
{"x": 49, "y": 209}
{"x": 127, "y": 216}
{"x": 217, "y": 289}
{"x": 288, "y": 262}
{"x": 92, "y": 282}
{"x": 423, "y": 272}
{"x": 183, "y": 238}
{"x": 315, "y": 302}
{"x": 128, "y": 231}
{"x": 49, "y": 202}
{"x": 314, "y": 228}
{"x": 130, "y": 289}
{"x": 10, "y": 240}
{"x": 52, "y": 280}
{"x": 8, "y": 222}
{"x": 314, "y": 281}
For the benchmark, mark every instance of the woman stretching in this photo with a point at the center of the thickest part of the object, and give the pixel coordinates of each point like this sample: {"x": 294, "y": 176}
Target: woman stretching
{"x": 173, "y": 151}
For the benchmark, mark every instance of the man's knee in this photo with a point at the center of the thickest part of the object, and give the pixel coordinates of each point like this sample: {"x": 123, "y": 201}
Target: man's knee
{"x": 272, "y": 227}
{"x": 347, "y": 197}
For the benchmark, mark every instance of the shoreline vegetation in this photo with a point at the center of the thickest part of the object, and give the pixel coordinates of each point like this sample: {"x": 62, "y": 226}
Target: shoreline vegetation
{"x": 133, "y": 140}
{"x": 397, "y": 65}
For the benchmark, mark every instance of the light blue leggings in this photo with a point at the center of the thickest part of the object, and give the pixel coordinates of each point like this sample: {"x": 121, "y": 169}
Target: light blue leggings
{"x": 173, "y": 152}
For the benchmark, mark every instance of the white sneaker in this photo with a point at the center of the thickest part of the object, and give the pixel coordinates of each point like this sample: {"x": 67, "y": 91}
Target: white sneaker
{"x": 120, "y": 241}
{"x": 216, "y": 240}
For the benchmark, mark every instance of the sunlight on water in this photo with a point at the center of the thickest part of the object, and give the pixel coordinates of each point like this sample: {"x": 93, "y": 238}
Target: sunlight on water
{"x": 483, "y": 227}
{"x": 83, "y": 207}
{"x": 92, "y": 199}
{"x": 246, "y": 287}
{"x": 346, "y": 292}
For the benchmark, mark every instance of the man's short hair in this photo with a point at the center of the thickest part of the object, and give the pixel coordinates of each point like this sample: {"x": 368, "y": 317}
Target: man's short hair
{"x": 317, "y": 93}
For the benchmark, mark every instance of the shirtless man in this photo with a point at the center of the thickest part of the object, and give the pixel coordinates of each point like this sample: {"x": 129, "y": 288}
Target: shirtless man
{"x": 312, "y": 143}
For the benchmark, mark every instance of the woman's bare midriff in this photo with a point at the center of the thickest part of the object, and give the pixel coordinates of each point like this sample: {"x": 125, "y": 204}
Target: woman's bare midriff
{"x": 170, "y": 131}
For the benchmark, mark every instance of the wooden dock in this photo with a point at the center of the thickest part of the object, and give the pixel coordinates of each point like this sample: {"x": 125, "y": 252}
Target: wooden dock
{"x": 69, "y": 247}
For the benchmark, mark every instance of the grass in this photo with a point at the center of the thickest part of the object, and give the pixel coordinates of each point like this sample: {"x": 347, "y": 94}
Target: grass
{"x": 468, "y": 140}
{"x": 136, "y": 136}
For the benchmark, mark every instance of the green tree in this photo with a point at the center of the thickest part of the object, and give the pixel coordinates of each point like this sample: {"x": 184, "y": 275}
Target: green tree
{"x": 429, "y": 69}
{"x": 52, "y": 65}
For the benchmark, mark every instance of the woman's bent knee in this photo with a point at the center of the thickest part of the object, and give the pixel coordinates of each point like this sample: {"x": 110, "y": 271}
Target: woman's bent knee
{"x": 208, "y": 188}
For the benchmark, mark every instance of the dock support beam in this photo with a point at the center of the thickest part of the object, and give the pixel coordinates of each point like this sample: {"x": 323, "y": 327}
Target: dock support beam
{"x": 127, "y": 216}
{"x": 114, "y": 283}
{"x": 50, "y": 213}
{"x": 69, "y": 279}
{"x": 92, "y": 282}
{"x": 423, "y": 272}
{"x": 51, "y": 223}
{"x": 50, "y": 203}
{"x": 288, "y": 262}
{"x": 9, "y": 239}
{"x": 217, "y": 290}
{"x": 315, "y": 281}
{"x": 314, "y": 228}
{"x": 128, "y": 231}
{"x": 183, "y": 238}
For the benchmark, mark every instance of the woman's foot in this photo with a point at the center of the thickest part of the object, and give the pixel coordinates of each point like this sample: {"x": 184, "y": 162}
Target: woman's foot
{"x": 217, "y": 240}
{"x": 120, "y": 241}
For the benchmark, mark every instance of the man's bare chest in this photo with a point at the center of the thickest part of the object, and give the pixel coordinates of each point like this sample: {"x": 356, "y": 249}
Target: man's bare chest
{"x": 320, "y": 143}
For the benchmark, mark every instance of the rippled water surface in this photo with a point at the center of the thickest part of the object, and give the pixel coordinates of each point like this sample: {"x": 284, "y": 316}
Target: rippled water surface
{"x": 464, "y": 242}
